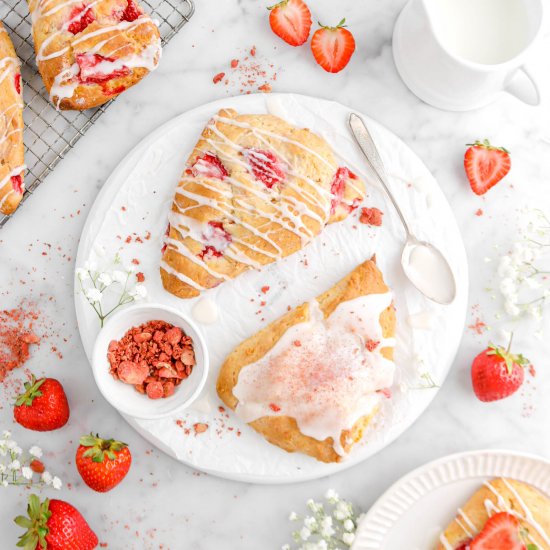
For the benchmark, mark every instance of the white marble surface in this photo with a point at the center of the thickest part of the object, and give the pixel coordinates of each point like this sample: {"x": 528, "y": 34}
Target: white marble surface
{"x": 163, "y": 504}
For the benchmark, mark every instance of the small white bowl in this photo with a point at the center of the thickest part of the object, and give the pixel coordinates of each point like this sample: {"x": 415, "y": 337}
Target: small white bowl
{"x": 124, "y": 397}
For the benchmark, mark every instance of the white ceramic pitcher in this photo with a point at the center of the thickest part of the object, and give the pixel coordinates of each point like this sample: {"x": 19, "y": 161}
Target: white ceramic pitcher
{"x": 455, "y": 60}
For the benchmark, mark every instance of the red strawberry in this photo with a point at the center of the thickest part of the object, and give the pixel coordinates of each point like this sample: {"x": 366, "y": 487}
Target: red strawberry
{"x": 265, "y": 166}
{"x": 209, "y": 166}
{"x": 501, "y": 532}
{"x": 89, "y": 71}
{"x": 17, "y": 184}
{"x": 43, "y": 406}
{"x": 496, "y": 373}
{"x": 81, "y": 17}
{"x": 485, "y": 165}
{"x": 333, "y": 47}
{"x": 291, "y": 21}
{"x": 132, "y": 12}
{"x": 102, "y": 463}
{"x": 17, "y": 82}
{"x": 37, "y": 466}
{"x": 54, "y": 525}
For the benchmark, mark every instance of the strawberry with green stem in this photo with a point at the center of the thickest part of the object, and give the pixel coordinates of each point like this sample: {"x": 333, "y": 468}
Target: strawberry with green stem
{"x": 485, "y": 165}
{"x": 332, "y": 47}
{"x": 291, "y": 21}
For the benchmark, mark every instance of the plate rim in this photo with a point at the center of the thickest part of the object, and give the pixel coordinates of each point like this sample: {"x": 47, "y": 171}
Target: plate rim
{"x": 369, "y": 517}
{"x": 302, "y": 475}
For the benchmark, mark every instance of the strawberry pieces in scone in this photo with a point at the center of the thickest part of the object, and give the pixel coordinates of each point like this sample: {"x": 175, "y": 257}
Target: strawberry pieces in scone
{"x": 265, "y": 166}
{"x": 501, "y": 532}
{"x": 209, "y": 166}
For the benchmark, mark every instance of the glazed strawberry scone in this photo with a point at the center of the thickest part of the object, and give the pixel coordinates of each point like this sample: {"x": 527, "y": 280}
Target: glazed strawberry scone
{"x": 503, "y": 514}
{"x": 90, "y": 51}
{"x": 255, "y": 189}
{"x": 12, "y": 165}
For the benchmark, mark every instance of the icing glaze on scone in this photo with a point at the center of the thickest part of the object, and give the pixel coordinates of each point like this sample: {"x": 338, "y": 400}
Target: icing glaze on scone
{"x": 256, "y": 189}
{"x": 324, "y": 373}
{"x": 12, "y": 166}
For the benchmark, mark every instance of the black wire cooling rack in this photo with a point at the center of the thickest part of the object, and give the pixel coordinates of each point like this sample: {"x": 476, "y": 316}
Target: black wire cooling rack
{"x": 49, "y": 134}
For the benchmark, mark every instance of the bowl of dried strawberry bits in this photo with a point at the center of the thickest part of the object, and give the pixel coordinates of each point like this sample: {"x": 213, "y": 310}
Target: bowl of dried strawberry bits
{"x": 150, "y": 361}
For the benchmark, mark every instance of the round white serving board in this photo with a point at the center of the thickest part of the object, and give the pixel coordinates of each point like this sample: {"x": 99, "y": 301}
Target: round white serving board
{"x": 414, "y": 511}
{"x": 136, "y": 199}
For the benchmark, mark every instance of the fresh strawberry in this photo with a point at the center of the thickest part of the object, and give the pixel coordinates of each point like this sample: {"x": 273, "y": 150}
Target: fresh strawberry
{"x": 265, "y": 166}
{"x": 485, "y": 165}
{"x": 54, "y": 525}
{"x": 333, "y": 47}
{"x": 17, "y": 82}
{"x": 132, "y": 11}
{"x": 102, "y": 463}
{"x": 291, "y": 21}
{"x": 17, "y": 184}
{"x": 497, "y": 373}
{"x": 209, "y": 166}
{"x": 92, "y": 68}
{"x": 80, "y": 18}
{"x": 465, "y": 545}
{"x": 37, "y": 466}
{"x": 501, "y": 532}
{"x": 43, "y": 406}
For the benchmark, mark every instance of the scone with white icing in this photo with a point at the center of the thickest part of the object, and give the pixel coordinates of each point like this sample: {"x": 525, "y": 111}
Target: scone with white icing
{"x": 255, "y": 189}
{"x": 90, "y": 51}
{"x": 503, "y": 514}
{"x": 313, "y": 380}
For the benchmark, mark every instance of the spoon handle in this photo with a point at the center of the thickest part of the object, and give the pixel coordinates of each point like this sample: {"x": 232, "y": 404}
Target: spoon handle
{"x": 367, "y": 145}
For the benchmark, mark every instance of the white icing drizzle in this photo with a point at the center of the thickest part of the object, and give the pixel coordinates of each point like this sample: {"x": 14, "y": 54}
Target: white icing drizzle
{"x": 444, "y": 541}
{"x": 283, "y": 212}
{"x": 66, "y": 82}
{"x": 321, "y": 372}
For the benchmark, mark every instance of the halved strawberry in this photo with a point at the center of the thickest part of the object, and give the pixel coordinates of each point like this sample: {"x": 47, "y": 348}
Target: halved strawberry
{"x": 80, "y": 18}
{"x": 333, "y": 47}
{"x": 209, "y": 166}
{"x": 485, "y": 165}
{"x": 265, "y": 166}
{"x": 501, "y": 532}
{"x": 95, "y": 68}
{"x": 291, "y": 21}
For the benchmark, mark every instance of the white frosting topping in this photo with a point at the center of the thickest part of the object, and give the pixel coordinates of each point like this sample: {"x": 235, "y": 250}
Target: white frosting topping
{"x": 325, "y": 373}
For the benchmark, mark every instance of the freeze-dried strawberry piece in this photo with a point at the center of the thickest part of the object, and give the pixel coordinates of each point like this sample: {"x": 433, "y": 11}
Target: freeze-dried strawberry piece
{"x": 17, "y": 82}
{"x": 80, "y": 18}
{"x": 95, "y": 68}
{"x": 371, "y": 345}
{"x": 338, "y": 187}
{"x": 209, "y": 166}
{"x": 173, "y": 336}
{"x": 132, "y": 373}
{"x": 188, "y": 357}
{"x": 17, "y": 184}
{"x": 169, "y": 388}
{"x": 142, "y": 337}
{"x": 154, "y": 390}
{"x": 132, "y": 12}
{"x": 371, "y": 216}
{"x": 265, "y": 166}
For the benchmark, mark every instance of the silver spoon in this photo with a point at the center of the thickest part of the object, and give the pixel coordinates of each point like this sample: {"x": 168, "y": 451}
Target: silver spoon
{"x": 423, "y": 263}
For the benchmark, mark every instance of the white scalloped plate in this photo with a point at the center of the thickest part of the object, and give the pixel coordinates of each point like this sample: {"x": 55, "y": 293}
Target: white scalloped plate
{"x": 412, "y": 513}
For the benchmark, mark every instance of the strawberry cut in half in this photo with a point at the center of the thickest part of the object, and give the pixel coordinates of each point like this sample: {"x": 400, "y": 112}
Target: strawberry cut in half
{"x": 80, "y": 18}
{"x": 54, "y": 525}
{"x": 95, "y": 68}
{"x": 497, "y": 373}
{"x": 333, "y": 47}
{"x": 501, "y": 532}
{"x": 485, "y": 165}
{"x": 291, "y": 21}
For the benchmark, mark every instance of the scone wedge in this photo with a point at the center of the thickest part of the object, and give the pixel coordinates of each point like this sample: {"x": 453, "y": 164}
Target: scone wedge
{"x": 514, "y": 504}
{"x": 313, "y": 380}
{"x": 255, "y": 189}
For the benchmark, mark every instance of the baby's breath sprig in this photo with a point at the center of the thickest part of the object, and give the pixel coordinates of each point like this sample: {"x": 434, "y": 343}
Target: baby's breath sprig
{"x": 110, "y": 289}
{"x": 19, "y": 468}
{"x": 329, "y": 526}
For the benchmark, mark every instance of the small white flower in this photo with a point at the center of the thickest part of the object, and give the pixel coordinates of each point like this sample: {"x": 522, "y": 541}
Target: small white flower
{"x": 332, "y": 496}
{"x": 93, "y": 295}
{"x": 508, "y": 286}
{"x": 293, "y": 516}
{"x": 322, "y": 545}
{"x": 310, "y": 522}
{"x": 339, "y": 515}
{"x": 90, "y": 265}
{"x": 10, "y": 445}
{"x": 4, "y": 483}
{"x": 82, "y": 274}
{"x": 326, "y": 529}
{"x": 349, "y": 525}
{"x": 2, "y": 468}
{"x": 348, "y": 538}
{"x": 139, "y": 292}
{"x": 26, "y": 472}
{"x": 532, "y": 283}
{"x": 285, "y": 547}
{"x": 6, "y": 434}
{"x": 14, "y": 465}
{"x": 17, "y": 450}
{"x": 512, "y": 309}
{"x": 47, "y": 478}
{"x": 56, "y": 483}
{"x": 105, "y": 279}
{"x": 305, "y": 533}
{"x": 119, "y": 276}
{"x": 35, "y": 451}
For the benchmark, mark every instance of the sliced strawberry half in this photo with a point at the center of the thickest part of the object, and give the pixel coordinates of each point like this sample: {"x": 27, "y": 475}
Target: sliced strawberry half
{"x": 265, "y": 166}
{"x": 80, "y": 18}
{"x": 95, "y": 68}
{"x": 291, "y": 21}
{"x": 486, "y": 165}
{"x": 17, "y": 183}
{"x": 501, "y": 532}
{"x": 17, "y": 82}
{"x": 332, "y": 47}
{"x": 209, "y": 166}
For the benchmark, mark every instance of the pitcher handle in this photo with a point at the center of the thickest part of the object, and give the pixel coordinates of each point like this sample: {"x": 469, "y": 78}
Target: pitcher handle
{"x": 524, "y": 87}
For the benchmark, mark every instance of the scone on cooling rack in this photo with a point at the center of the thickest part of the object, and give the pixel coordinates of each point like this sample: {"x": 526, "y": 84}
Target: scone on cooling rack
{"x": 90, "y": 51}
{"x": 313, "y": 380}
{"x": 503, "y": 514}
{"x": 256, "y": 189}
{"x": 12, "y": 165}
